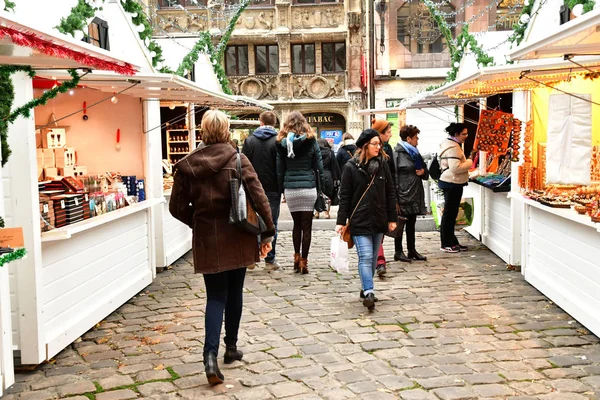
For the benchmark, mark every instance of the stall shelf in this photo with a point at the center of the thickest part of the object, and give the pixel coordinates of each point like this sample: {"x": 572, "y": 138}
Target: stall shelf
{"x": 20, "y": 281}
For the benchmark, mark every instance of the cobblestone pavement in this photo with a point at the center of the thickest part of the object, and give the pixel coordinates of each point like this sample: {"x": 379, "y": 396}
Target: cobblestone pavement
{"x": 457, "y": 327}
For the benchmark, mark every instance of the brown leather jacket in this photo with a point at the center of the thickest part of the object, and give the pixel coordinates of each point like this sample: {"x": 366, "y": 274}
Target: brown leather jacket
{"x": 201, "y": 198}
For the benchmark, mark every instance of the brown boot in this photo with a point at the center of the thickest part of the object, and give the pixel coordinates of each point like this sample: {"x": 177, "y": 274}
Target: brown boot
{"x": 296, "y": 262}
{"x": 303, "y": 267}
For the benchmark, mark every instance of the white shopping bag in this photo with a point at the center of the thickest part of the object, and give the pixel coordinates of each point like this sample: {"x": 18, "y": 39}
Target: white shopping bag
{"x": 340, "y": 260}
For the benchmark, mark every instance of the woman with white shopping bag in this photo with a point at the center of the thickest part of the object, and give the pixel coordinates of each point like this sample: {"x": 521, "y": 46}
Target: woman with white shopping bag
{"x": 367, "y": 206}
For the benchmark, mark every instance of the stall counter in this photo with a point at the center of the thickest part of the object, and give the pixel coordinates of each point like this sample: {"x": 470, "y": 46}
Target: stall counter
{"x": 560, "y": 259}
{"x": 175, "y": 239}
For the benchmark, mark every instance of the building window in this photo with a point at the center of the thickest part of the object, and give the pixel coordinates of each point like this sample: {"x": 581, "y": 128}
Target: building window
{"x": 303, "y": 58}
{"x": 98, "y": 34}
{"x": 267, "y": 59}
{"x": 316, "y": 1}
{"x": 334, "y": 57}
{"x": 236, "y": 60}
{"x": 418, "y": 31}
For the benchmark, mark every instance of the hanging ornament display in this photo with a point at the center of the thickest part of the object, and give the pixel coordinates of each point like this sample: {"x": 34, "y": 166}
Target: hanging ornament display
{"x": 118, "y": 145}
{"x": 114, "y": 99}
{"x": 85, "y": 116}
{"x": 422, "y": 26}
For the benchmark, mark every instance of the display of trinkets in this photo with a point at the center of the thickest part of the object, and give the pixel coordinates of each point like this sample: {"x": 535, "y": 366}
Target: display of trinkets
{"x": 516, "y": 140}
{"x": 494, "y": 131}
{"x": 595, "y": 164}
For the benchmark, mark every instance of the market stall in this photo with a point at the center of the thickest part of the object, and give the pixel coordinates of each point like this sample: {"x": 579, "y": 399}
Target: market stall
{"x": 43, "y": 317}
{"x": 560, "y": 177}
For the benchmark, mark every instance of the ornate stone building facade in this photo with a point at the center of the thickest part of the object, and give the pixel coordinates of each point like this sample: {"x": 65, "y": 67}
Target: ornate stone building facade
{"x": 300, "y": 55}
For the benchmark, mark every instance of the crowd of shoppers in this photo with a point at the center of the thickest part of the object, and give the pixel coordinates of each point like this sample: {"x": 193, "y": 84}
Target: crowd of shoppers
{"x": 373, "y": 183}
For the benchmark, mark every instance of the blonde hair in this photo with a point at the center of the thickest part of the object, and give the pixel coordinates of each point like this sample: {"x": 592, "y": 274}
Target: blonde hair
{"x": 215, "y": 127}
{"x": 295, "y": 122}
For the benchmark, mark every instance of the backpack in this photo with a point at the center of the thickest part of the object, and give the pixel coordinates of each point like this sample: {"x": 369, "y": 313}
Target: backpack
{"x": 434, "y": 168}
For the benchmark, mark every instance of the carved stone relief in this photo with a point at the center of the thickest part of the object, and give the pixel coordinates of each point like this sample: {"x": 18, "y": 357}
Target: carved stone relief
{"x": 257, "y": 20}
{"x": 318, "y": 87}
{"x": 174, "y": 21}
{"x": 263, "y": 87}
{"x": 317, "y": 17}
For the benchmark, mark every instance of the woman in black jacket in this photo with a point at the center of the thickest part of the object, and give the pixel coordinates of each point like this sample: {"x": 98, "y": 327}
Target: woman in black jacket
{"x": 368, "y": 201}
{"x": 331, "y": 176}
{"x": 298, "y": 162}
{"x": 411, "y": 172}
{"x": 346, "y": 150}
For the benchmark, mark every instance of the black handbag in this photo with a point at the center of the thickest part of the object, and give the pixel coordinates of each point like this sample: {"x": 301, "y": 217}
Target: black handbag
{"x": 322, "y": 199}
{"x": 243, "y": 212}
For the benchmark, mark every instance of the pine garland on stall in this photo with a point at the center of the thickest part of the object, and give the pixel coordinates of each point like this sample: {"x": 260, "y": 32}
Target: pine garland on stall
{"x": 7, "y": 116}
{"x": 9, "y": 5}
{"x": 10, "y": 257}
{"x": 77, "y": 21}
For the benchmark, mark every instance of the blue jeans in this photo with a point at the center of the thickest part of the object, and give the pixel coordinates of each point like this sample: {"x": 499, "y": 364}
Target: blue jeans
{"x": 367, "y": 248}
{"x": 275, "y": 202}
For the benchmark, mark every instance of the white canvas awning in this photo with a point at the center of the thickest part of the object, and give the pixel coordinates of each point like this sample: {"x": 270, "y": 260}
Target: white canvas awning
{"x": 166, "y": 87}
{"x": 580, "y": 36}
{"x": 24, "y": 45}
{"x": 522, "y": 76}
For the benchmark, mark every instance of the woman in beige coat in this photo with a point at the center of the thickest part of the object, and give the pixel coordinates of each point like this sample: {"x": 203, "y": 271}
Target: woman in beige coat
{"x": 455, "y": 175}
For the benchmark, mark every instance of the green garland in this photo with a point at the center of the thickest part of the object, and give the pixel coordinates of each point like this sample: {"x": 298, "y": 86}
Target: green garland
{"x": 205, "y": 45}
{"x": 465, "y": 41}
{"x": 6, "y": 102}
{"x": 9, "y": 6}
{"x": 588, "y": 5}
{"x": 14, "y": 256}
{"x": 7, "y": 116}
{"x": 139, "y": 18}
{"x": 77, "y": 20}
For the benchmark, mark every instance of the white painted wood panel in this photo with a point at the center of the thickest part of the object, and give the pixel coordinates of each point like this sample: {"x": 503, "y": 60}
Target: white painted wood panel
{"x": 562, "y": 262}
{"x": 177, "y": 237}
{"x": 87, "y": 277}
{"x": 496, "y": 230}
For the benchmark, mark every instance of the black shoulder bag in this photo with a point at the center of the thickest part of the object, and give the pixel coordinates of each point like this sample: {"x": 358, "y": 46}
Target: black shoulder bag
{"x": 243, "y": 212}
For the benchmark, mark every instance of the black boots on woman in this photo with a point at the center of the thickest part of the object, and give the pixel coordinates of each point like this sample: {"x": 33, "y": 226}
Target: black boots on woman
{"x": 211, "y": 367}
{"x": 232, "y": 354}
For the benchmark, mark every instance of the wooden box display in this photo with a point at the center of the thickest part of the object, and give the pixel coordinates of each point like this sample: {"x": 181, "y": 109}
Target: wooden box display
{"x": 66, "y": 171}
{"x": 54, "y": 138}
{"x": 80, "y": 171}
{"x": 50, "y": 173}
{"x": 45, "y": 158}
{"x": 64, "y": 157}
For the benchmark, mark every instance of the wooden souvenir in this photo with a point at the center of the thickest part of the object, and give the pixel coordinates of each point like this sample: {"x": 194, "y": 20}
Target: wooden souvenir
{"x": 80, "y": 171}
{"x": 493, "y": 131}
{"x": 54, "y": 138}
{"x": 541, "y": 165}
{"x": 516, "y": 140}
{"x": 65, "y": 157}
{"x": 50, "y": 173}
{"x": 66, "y": 171}
{"x": 46, "y": 156}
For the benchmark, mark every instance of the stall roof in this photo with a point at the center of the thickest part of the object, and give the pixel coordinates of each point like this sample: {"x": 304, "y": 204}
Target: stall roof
{"x": 23, "y": 45}
{"x": 522, "y": 76}
{"x": 580, "y": 36}
{"x": 166, "y": 87}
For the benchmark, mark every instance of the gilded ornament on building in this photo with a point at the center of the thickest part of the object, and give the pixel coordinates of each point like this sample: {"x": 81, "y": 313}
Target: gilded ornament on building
{"x": 422, "y": 26}
{"x": 511, "y": 3}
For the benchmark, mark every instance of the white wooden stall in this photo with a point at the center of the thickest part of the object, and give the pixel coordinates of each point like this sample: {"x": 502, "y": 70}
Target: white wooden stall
{"x": 23, "y": 295}
{"x": 176, "y": 237}
{"x": 561, "y": 248}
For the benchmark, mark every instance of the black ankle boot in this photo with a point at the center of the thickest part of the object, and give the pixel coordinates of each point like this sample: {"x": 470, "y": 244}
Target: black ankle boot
{"x": 414, "y": 255}
{"x": 400, "y": 256}
{"x": 232, "y": 354}
{"x": 362, "y": 296}
{"x": 211, "y": 367}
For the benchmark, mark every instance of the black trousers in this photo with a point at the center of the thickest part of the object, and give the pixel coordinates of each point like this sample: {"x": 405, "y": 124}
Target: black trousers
{"x": 452, "y": 199}
{"x": 409, "y": 226}
{"x": 224, "y": 294}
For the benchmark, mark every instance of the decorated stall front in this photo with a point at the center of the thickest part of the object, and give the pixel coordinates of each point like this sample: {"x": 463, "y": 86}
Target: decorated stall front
{"x": 559, "y": 177}
{"x": 46, "y": 304}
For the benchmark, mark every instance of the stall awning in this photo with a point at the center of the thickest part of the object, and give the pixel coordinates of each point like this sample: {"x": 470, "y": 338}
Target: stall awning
{"x": 580, "y": 36}
{"x": 165, "y": 87}
{"x": 522, "y": 76}
{"x": 23, "y": 45}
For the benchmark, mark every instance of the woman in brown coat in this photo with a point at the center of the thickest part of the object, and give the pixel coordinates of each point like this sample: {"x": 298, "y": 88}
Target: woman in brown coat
{"x": 201, "y": 198}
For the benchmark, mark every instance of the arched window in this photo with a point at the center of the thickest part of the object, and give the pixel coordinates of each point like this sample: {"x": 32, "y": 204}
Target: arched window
{"x": 418, "y": 31}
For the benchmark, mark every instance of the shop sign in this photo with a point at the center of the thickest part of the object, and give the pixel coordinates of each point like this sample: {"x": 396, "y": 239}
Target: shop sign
{"x": 333, "y": 136}
{"x": 325, "y": 119}
{"x": 12, "y": 237}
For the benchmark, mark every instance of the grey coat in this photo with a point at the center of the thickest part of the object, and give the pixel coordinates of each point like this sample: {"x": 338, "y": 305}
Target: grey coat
{"x": 410, "y": 192}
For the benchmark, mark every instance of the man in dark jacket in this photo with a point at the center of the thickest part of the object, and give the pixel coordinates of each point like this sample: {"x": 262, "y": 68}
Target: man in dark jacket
{"x": 261, "y": 150}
